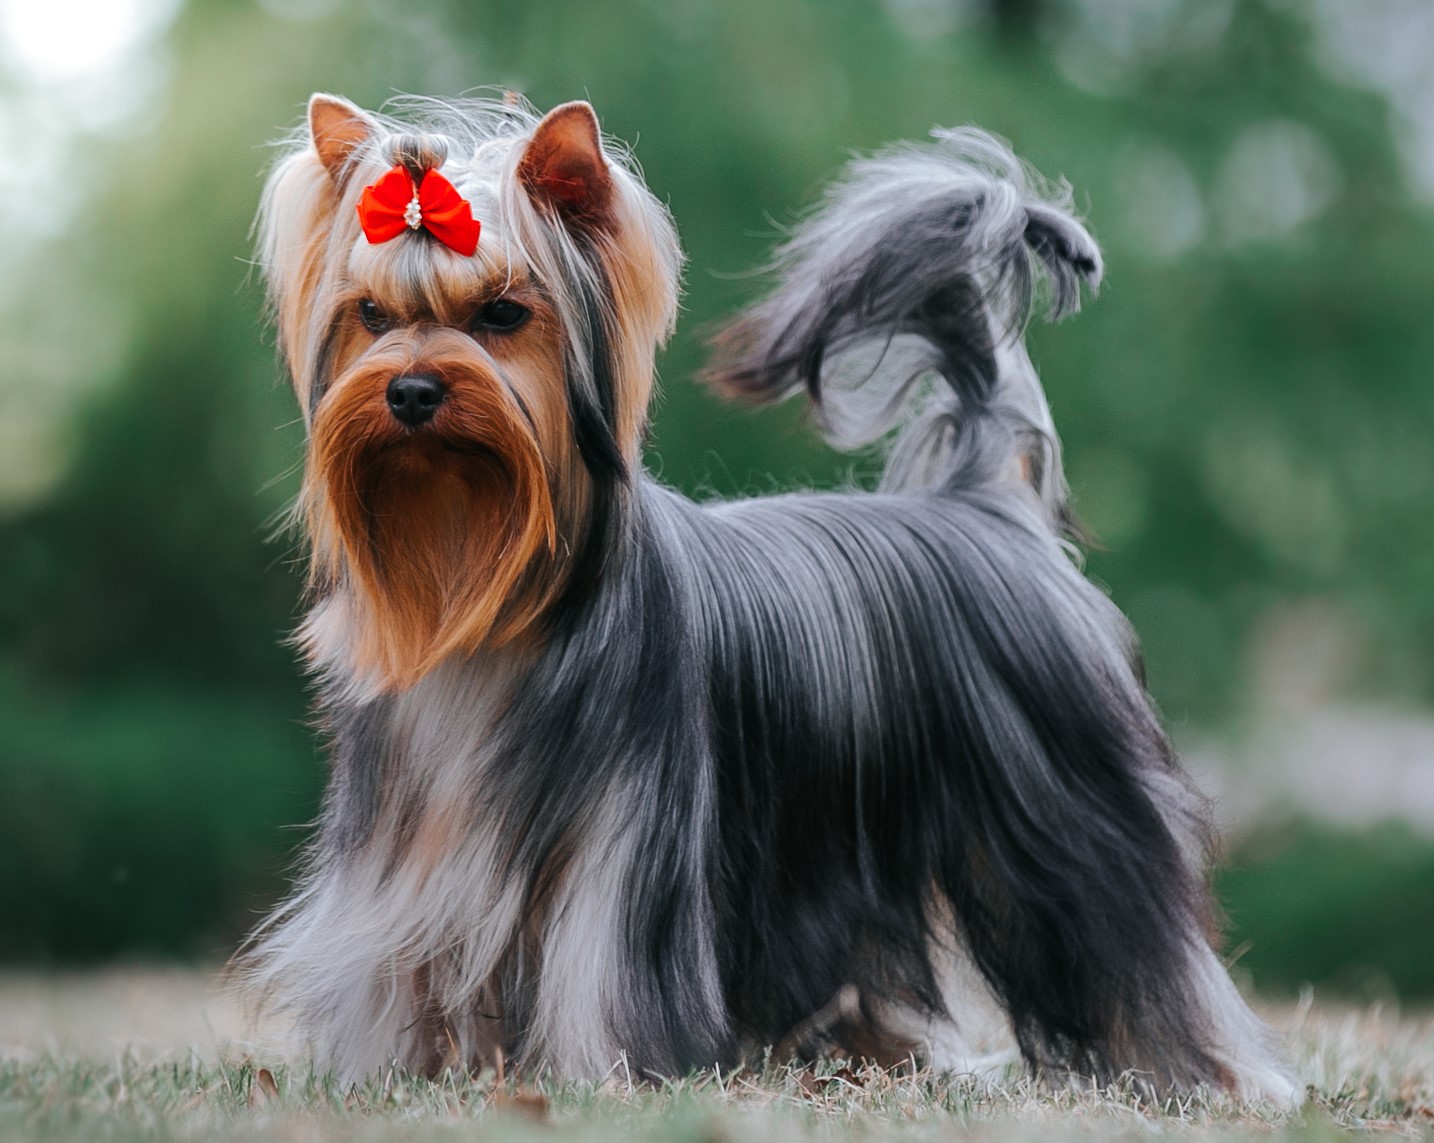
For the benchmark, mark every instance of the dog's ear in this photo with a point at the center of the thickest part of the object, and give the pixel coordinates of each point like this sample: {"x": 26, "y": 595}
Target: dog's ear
{"x": 564, "y": 169}
{"x": 337, "y": 129}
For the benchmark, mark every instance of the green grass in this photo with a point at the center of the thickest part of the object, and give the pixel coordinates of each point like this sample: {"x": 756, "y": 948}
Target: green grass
{"x": 1367, "y": 1072}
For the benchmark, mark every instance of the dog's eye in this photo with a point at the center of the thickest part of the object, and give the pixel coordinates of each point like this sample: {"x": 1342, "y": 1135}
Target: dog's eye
{"x": 374, "y": 319}
{"x": 502, "y": 315}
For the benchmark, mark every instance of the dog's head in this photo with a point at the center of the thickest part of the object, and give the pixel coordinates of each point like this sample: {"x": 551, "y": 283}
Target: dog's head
{"x": 473, "y": 417}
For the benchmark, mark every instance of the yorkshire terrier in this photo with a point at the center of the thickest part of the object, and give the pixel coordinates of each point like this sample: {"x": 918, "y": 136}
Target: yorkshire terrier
{"x": 618, "y": 777}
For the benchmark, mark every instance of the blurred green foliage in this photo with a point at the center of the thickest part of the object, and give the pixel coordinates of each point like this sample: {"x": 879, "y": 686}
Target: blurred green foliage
{"x": 1350, "y": 914}
{"x": 1246, "y": 409}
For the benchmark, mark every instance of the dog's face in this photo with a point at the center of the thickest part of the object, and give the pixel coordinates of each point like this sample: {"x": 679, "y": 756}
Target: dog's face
{"x": 465, "y": 412}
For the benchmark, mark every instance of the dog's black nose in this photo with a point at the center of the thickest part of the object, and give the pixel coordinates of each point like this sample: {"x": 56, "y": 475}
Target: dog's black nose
{"x": 414, "y": 398}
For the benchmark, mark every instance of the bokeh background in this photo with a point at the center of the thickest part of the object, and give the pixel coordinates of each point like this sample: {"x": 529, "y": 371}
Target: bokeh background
{"x": 1247, "y": 408}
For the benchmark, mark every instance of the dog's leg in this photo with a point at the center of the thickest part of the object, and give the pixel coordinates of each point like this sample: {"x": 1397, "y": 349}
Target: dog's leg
{"x": 628, "y": 975}
{"x": 583, "y": 961}
{"x": 1243, "y": 1050}
{"x": 1240, "y": 1043}
{"x": 972, "y": 1037}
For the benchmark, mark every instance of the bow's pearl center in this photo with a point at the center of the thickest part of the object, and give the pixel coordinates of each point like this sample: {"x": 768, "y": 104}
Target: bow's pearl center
{"x": 413, "y": 214}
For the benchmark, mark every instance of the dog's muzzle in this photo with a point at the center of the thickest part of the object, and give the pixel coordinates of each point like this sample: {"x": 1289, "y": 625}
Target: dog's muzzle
{"x": 414, "y": 398}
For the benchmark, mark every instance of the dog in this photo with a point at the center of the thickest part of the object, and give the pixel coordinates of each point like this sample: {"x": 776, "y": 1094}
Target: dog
{"x": 616, "y": 776}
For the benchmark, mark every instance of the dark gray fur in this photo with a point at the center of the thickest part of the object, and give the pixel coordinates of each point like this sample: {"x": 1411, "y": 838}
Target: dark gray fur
{"x": 361, "y": 759}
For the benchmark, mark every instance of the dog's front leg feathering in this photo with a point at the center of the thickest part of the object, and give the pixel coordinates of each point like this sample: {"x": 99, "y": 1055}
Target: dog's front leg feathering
{"x": 616, "y": 776}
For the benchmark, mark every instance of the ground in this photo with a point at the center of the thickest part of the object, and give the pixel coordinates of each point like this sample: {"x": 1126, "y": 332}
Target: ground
{"x": 160, "y": 1054}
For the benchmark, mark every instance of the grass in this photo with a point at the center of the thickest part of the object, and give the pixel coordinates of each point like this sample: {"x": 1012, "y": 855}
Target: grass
{"x": 1369, "y": 1072}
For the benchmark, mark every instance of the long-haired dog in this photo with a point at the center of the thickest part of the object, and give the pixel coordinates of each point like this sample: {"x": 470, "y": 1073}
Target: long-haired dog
{"x": 617, "y": 775}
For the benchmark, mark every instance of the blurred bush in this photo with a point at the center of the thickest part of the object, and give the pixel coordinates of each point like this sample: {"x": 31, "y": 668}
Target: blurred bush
{"x": 1246, "y": 409}
{"x": 1348, "y": 913}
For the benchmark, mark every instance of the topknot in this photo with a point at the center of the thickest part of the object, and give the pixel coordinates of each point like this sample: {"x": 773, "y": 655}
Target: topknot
{"x": 416, "y": 153}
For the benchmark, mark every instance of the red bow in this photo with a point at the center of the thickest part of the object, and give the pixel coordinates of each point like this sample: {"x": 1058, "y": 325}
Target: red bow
{"x": 393, "y": 205}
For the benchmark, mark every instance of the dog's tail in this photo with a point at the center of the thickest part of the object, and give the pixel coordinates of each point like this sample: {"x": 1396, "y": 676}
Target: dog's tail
{"x": 903, "y": 300}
